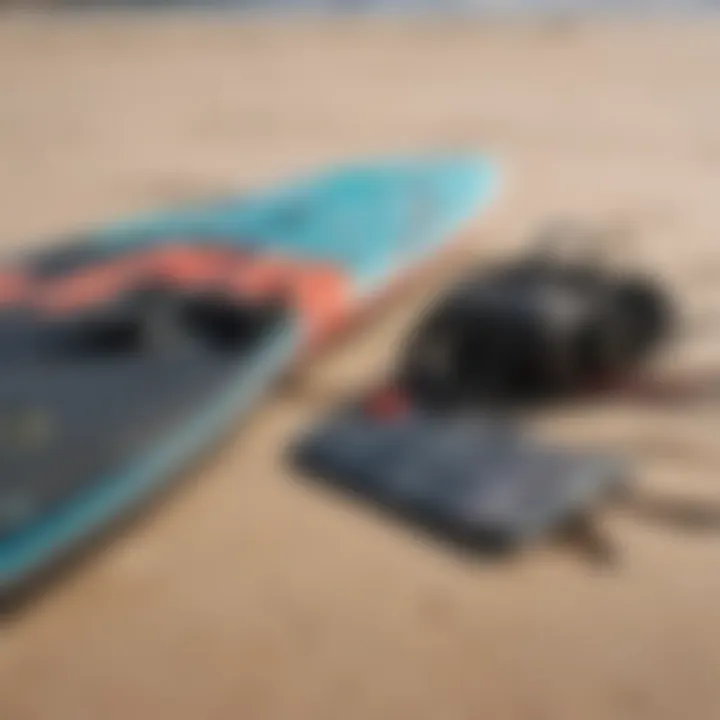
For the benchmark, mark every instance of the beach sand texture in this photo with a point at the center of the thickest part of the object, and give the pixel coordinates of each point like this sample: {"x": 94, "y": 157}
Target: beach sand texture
{"x": 249, "y": 594}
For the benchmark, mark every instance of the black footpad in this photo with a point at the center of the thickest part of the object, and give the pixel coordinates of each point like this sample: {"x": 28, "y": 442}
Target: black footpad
{"x": 474, "y": 479}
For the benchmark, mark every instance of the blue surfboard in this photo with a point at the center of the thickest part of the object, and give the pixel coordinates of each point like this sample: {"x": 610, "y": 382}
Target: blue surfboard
{"x": 128, "y": 352}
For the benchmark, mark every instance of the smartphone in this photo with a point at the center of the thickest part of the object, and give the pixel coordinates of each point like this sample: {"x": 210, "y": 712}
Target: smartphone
{"x": 476, "y": 478}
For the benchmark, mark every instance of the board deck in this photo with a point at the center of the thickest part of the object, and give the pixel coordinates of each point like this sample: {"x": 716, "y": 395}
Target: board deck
{"x": 128, "y": 351}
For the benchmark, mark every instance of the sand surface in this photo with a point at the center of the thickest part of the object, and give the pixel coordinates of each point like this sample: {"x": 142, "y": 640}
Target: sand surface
{"x": 248, "y": 595}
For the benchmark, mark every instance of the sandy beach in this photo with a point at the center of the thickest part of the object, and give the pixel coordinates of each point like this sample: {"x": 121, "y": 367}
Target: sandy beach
{"x": 249, "y": 594}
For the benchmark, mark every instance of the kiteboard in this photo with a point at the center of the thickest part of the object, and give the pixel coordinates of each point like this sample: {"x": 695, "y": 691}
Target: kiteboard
{"x": 128, "y": 351}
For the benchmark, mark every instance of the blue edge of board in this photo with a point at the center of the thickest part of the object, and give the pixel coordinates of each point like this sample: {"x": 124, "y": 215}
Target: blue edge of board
{"x": 37, "y": 546}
